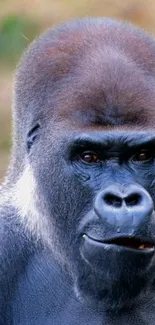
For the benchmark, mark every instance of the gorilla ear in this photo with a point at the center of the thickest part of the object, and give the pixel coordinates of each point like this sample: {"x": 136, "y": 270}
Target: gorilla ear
{"x": 32, "y": 135}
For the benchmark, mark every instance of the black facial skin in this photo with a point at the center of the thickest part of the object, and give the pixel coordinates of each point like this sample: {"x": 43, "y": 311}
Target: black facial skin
{"x": 77, "y": 216}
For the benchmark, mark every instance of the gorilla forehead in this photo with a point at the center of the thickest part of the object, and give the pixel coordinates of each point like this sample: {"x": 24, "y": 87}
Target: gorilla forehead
{"x": 92, "y": 71}
{"x": 107, "y": 93}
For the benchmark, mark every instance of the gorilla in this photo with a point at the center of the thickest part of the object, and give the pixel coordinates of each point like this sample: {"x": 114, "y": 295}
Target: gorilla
{"x": 77, "y": 227}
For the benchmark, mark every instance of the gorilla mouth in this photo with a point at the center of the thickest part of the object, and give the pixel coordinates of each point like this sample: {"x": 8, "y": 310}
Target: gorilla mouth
{"x": 128, "y": 242}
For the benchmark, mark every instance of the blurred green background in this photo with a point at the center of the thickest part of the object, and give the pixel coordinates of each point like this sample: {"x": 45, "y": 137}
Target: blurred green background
{"x": 22, "y": 20}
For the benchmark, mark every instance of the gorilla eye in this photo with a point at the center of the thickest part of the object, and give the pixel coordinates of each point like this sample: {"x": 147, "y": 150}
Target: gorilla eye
{"x": 89, "y": 157}
{"x": 143, "y": 155}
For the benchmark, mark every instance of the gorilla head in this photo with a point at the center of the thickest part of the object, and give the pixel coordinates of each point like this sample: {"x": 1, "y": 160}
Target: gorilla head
{"x": 83, "y": 156}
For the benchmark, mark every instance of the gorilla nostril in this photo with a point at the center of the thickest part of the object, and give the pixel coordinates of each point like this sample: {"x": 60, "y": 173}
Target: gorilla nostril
{"x": 133, "y": 199}
{"x": 116, "y": 201}
{"x": 113, "y": 200}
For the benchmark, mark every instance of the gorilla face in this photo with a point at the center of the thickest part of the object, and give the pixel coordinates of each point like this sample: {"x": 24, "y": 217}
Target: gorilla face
{"x": 100, "y": 198}
{"x": 98, "y": 190}
{"x": 91, "y": 147}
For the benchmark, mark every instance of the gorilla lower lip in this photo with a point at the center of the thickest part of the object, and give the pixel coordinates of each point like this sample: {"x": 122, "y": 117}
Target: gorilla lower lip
{"x": 127, "y": 242}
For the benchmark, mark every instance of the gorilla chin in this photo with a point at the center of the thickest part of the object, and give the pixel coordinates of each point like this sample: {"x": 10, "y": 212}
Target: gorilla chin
{"x": 130, "y": 256}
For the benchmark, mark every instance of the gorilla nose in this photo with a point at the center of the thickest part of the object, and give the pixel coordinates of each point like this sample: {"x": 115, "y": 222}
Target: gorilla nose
{"x": 121, "y": 206}
{"x": 117, "y": 200}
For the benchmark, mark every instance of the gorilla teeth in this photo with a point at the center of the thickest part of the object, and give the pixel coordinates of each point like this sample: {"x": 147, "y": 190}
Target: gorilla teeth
{"x": 145, "y": 246}
{"x": 141, "y": 246}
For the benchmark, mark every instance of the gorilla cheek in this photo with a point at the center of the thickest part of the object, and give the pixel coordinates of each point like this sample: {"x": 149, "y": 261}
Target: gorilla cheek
{"x": 64, "y": 199}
